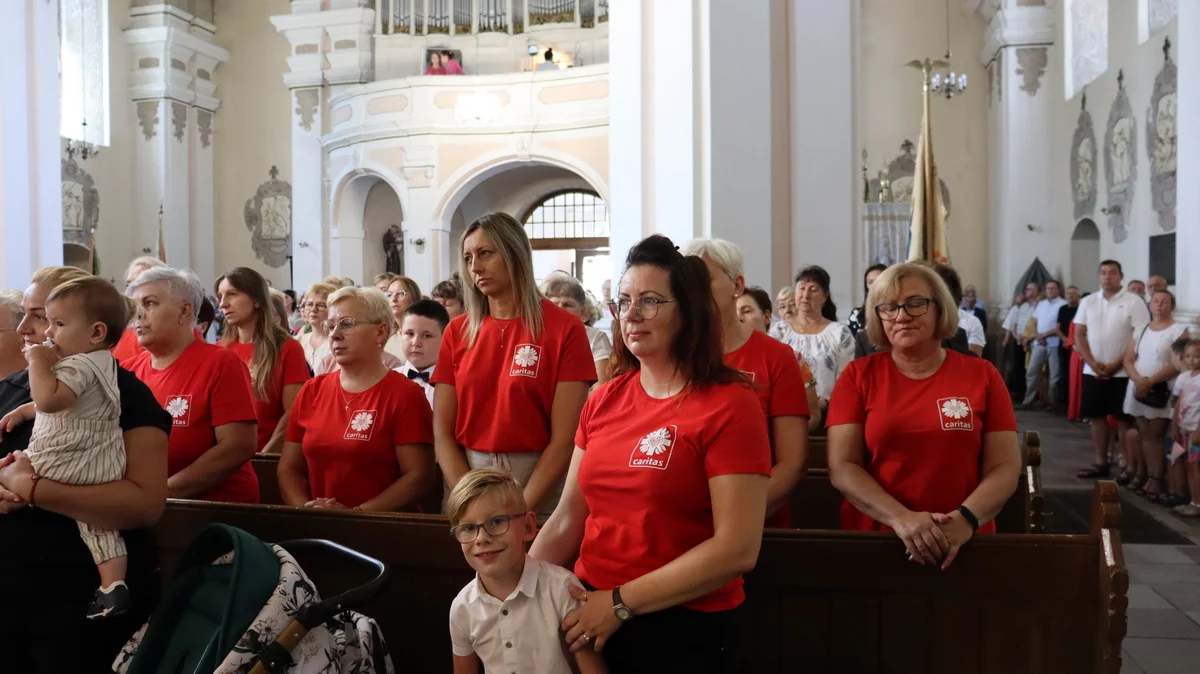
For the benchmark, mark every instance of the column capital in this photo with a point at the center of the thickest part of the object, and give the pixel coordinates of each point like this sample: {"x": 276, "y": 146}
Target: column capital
{"x": 169, "y": 61}
{"x": 328, "y": 47}
{"x": 1017, "y": 26}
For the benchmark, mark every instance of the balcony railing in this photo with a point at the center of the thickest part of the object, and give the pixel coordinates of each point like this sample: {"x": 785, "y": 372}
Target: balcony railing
{"x": 465, "y": 17}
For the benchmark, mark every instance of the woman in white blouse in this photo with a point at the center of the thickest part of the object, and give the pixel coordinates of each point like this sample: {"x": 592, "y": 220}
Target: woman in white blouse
{"x": 567, "y": 293}
{"x": 315, "y": 310}
{"x": 814, "y": 333}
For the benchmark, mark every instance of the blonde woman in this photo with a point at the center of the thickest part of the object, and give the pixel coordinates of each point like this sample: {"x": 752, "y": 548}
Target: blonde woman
{"x": 568, "y": 294}
{"x": 785, "y": 308}
{"x": 513, "y": 372}
{"x": 401, "y": 293}
{"x": 315, "y": 309}
{"x": 276, "y": 361}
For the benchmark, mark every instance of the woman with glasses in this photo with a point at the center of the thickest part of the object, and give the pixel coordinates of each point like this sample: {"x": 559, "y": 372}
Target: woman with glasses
{"x": 276, "y": 361}
{"x": 513, "y": 371}
{"x": 667, "y": 490}
{"x": 401, "y": 293}
{"x": 922, "y": 439}
{"x": 360, "y": 437}
{"x": 771, "y": 367}
{"x": 315, "y": 310}
{"x": 205, "y": 389}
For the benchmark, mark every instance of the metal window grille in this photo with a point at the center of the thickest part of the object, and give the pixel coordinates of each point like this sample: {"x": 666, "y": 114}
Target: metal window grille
{"x": 569, "y": 215}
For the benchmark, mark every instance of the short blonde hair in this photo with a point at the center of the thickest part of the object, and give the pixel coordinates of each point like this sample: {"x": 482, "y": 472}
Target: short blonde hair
{"x": 53, "y": 277}
{"x": 321, "y": 289}
{"x": 10, "y": 300}
{"x": 482, "y": 482}
{"x": 372, "y": 299}
{"x": 335, "y": 281}
{"x": 726, "y": 255}
{"x": 786, "y": 291}
{"x": 145, "y": 262}
{"x": 887, "y": 287}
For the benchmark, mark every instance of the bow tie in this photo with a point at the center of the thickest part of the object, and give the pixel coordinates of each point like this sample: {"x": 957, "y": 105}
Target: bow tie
{"x": 423, "y": 376}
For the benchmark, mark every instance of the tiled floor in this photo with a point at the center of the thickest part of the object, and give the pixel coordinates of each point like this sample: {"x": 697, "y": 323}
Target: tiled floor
{"x": 1164, "y": 592}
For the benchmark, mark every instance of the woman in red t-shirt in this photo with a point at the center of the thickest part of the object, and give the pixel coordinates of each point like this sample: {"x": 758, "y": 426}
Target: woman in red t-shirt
{"x": 513, "y": 371}
{"x": 128, "y": 347}
{"x": 922, "y": 439}
{"x": 361, "y": 437}
{"x": 276, "y": 361}
{"x": 773, "y": 369}
{"x": 667, "y": 490}
{"x": 204, "y": 388}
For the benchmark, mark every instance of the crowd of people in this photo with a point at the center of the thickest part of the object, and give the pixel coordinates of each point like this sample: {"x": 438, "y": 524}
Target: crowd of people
{"x": 656, "y": 455}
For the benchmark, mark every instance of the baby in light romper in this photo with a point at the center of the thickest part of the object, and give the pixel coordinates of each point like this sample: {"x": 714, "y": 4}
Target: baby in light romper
{"x": 76, "y": 412}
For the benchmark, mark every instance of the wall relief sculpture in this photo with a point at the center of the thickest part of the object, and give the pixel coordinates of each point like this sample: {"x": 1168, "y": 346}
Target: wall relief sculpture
{"x": 1161, "y": 140}
{"x": 1083, "y": 163}
{"x": 899, "y": 178}
{"x": 269, "y": 219}
{"x": 80, "y": 204}
{"x": 1120, "y": 161}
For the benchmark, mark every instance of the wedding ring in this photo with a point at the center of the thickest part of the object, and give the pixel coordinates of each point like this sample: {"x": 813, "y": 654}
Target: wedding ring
{"x": 586, "y": 637}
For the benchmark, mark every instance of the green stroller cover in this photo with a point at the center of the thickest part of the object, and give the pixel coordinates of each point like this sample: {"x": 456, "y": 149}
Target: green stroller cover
{"x": 208, "y": 607}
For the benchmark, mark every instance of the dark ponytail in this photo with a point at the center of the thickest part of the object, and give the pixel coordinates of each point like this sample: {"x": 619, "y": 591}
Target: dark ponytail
{"x": 819, "y": 276}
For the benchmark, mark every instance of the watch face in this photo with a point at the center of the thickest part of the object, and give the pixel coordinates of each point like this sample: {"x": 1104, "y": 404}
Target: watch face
{"x": 623, "y": 613}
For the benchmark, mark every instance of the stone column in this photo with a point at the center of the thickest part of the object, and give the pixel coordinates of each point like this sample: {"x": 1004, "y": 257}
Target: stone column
{"x": 171, "y": 85}
{"x": 1187, "y": 204}
{"x": 1016, "y": 50}
{"x": 30, "y": 151}
{"x": 329, "y": 48}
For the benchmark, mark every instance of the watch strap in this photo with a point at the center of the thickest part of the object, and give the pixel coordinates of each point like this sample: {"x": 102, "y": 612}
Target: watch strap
{"x": 969, "y": 517}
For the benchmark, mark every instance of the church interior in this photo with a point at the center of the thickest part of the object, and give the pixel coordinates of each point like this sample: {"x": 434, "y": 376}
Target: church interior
{"x": 365, "y": 140}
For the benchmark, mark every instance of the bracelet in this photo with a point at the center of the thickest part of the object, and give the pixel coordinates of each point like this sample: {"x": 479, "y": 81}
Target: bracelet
{"x": 33, "y": 482}
{"x": 969, "y": 517}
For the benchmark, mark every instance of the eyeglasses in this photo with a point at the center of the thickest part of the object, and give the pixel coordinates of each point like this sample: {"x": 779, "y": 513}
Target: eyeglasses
{"x": 313, "y": 305}
{"x": 346, "y": 324}
{"x": 647, "y": 307}
{"x": 494, "y": 526}
{"x": 399, "y": 293}
{"x": 917, "y": 306}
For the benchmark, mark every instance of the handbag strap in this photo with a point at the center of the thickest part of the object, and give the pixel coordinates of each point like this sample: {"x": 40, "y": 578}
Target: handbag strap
{"x": 1138, "y": 346}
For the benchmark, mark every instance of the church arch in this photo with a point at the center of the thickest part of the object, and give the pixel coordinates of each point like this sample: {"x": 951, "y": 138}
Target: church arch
{"x": 365, "y": 203}
{"x": 1085, "y": 255}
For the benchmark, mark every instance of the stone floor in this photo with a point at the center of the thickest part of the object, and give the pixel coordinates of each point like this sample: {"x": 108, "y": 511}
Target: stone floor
{"x": 1164, "y": 593}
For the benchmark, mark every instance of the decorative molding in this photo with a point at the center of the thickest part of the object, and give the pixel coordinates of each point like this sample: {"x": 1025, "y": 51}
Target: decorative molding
{"x": 306, "y": 106}
{"x": 1162, "y": 122}
{"x": 80, "y": 204}
{"x": 268, "y": 216}
{"x": 1018, "y": 27}
{"x": 204, "y": 125}
{"x": 1120, "y": 161}
{"x": 179, "y": 119}
{"x": 147, "y": 62}
{"x": 417, "y": 176}
{"x": 178, "y": 64}
{"x": 345, "y": 44}
{"x": 147, "y": 113}
{"x": 1083, "y": 163}
{"x": 1031, "y": 65}
{"x": 900, "y": 171}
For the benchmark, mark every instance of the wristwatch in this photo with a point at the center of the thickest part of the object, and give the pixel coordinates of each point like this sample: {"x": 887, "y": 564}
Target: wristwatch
{"x": 619, "y": 608}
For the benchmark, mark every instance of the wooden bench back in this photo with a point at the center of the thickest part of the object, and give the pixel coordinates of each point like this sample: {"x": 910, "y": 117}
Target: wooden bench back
{"x": 842, "y": 601}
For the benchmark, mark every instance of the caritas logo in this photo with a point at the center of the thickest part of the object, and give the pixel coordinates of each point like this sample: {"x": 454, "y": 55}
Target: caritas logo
{"x": 362, "y": 423}
{"x": 956, "y": 414}
{"x": 527, "y": 359}
{"x": 180, "y": 409}
{"x": 654, "y": 450}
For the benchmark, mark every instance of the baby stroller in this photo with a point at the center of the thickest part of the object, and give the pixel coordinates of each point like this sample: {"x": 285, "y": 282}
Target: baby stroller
{"x": 239, "y": 605}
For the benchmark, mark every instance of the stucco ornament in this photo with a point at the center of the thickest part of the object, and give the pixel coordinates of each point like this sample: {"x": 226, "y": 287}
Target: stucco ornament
{"x": 269, "y": 218}
{"x": 1161, "y": 140}
{"x": 1083, "y": 163}
{"x": 1120, "y": 161}
{"x": 80, "y": 204}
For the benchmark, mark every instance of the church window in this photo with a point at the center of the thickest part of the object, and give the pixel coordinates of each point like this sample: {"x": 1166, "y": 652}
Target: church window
{"x": 569, "y": 231}
{"x": 1154, "y": 16}
{"x": 83, "y": 70}
{"x": 1085, "y": 34}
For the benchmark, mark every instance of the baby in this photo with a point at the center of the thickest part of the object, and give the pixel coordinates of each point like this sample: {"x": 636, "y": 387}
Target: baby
{"x": 509, "y": 616}
{"x": 76, "y": 431}
{"x": 1187, "y": 424}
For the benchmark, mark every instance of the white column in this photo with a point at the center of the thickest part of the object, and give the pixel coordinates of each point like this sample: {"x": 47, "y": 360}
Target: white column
{"x": 825, "y": 183}
{"x": 1018, "y": 43}
{"x": 30, "y": 150}
{"x": 629, "y": 167}
{"x": 674, "y": 137}
{"x": 310, "y": 257}
{"x": 1187, "y": 205}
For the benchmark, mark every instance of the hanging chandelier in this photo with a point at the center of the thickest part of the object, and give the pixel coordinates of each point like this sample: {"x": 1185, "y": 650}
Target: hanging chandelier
{"x": 82, "y": 148}
{"x": 952, "y": 84}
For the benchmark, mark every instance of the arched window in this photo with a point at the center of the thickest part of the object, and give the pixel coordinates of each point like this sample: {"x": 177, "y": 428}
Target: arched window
{"x": 83, "y": 70}
{"x": 569, "y": 231}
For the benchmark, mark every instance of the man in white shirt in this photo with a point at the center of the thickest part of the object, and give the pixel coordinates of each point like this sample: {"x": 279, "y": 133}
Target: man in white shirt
{"x": 1044, "y": 347}
{"x": 1014, "y": 339}
{"x": 976, "y": 337}
{"x": 1104, "y": 325}
{"x": 421, "y": 339}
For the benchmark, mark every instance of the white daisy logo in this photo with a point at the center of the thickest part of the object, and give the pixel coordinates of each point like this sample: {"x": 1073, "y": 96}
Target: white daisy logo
{"x": 526, "y": 356}
{"x": 955, "y": 408}
{"x": 361, "y": 422}
{"x": 177, "y": 407}
{"x": 655, "y": 443}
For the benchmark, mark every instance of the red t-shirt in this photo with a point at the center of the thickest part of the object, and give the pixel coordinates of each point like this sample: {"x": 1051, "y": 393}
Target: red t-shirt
{"x": 924, "y": 437}
{"x": 292, "y": 369}
{"x": 772, "y": 367}
{"x": 351, "y": 448}
{"x": 128, "y": 348}
{"x": 204, "y": 388}
{"x": 505, "y": 383}
{"x": 645, "y": 476}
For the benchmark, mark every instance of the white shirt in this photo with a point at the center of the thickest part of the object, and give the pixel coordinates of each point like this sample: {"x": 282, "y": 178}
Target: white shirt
{"x": 969, "y": 322}
{"x": 826, "y": 353}
{"x": 407, "y": 367}
{"x": 601, "y": 346}
{"x": 521, "y": 633}
{"x": 1187, "y": 390}
{"x": 1046, "y": 315}
{"x": 1110, "y": 325}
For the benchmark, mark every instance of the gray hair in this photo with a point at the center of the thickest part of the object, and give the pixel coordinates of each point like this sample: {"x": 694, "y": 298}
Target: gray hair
{"x": 145, "y": 261}
{"x": 374, "y": 301}
{"x": 10, "y": 300}
{"x": 182, "y": 285}
{"x": 726, "y": 255}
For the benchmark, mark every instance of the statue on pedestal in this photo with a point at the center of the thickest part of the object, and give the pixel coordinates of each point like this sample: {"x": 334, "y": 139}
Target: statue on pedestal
{"x": 393, "y": 247}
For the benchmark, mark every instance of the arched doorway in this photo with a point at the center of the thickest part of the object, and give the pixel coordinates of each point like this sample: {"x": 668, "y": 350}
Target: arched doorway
{"x": 381, "y": 213}
{"x": 368, "y": 203}
{"x": 1085, "y": 256}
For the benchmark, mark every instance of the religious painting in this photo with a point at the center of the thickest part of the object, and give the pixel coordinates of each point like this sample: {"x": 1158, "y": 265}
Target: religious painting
{"x": 1162, "y": 140}
{"x": 268, "y": 216}
{"x": 80, "y": 204}
{"x": 1120, "y": 161}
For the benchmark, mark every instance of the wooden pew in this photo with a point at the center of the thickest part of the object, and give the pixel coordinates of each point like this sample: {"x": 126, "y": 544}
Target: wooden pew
{"x": 818, "y": 600}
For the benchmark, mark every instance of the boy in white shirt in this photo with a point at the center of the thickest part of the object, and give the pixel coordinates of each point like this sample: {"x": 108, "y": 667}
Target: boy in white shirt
{"x": 1187, "y": 423}
{"x": 508, "y": 618}
{"x": 421, "y": 340}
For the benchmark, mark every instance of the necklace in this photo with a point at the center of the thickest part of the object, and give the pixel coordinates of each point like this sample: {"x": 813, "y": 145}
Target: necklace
{"x": 503, "y": 324}
{"x": 350, "y": 400}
